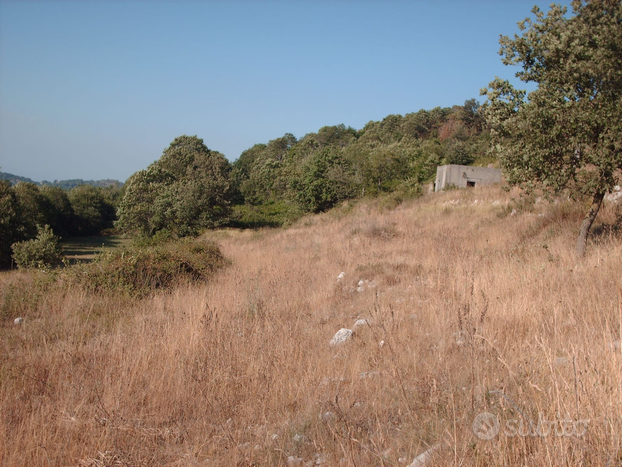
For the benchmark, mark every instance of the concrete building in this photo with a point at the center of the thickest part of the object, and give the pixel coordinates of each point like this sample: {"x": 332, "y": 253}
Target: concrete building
{"x": 463, "y": 176}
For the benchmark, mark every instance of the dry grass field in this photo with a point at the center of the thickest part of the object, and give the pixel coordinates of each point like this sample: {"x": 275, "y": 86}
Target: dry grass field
{"x": 470, "y": 309}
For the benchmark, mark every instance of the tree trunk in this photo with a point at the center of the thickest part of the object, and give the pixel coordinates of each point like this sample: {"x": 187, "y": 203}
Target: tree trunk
{"x": 588, "y": 221}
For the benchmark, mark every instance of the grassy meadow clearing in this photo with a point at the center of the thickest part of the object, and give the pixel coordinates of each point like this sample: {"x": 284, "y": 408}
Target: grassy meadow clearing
{"x": 474, "y": 304}
{"x": 86, "y": 249}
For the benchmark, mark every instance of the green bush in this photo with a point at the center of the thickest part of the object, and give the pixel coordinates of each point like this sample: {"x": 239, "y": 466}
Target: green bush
{"x": 272, "y": 214}
{"x": 139, "y": 271}
{"x": 326, "y": 179}
{"x": 161, "y": 237}
{"x": 41, "y": 252}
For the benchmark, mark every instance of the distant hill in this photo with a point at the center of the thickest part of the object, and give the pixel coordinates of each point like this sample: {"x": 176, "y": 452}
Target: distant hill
{"x": 69, "y": 184}
{"x": 15, "y": 179}
{"x": 64, "y": 184}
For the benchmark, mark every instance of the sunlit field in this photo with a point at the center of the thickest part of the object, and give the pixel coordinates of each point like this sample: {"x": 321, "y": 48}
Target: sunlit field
{"x": 473, "y": 304}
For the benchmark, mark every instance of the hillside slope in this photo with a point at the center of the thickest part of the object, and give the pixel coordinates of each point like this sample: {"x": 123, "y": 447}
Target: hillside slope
{"x": 473, "y": 304}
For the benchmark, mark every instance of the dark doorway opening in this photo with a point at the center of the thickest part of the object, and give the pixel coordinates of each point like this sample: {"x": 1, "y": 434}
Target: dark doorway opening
{"x": 470, "y": 184}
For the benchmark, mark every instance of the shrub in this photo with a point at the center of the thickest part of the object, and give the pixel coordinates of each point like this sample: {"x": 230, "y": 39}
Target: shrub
{"x": 41, "y": 252}
{"x": 271, "y": 214}
{"x": 326, "y": 179}
{"x": 139, "y": 271}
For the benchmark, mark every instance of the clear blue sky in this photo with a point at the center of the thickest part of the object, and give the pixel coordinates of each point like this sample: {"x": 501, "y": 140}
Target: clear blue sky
{"x": 98, "y": 89}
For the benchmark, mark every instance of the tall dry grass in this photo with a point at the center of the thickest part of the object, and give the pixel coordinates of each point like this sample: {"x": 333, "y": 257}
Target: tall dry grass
{"x": 471, "y": 309}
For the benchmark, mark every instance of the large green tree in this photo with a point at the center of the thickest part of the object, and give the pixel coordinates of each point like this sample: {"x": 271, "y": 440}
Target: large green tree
{"x": 188, "y": 189}
{"x": 325, "y": 180}
{"x": 34, "y": 209}
{"x": 60, "y": 217}
{"x": 93, "y": 212}
{"x": 567, "y": 133}
{"x": 9, "y": 222}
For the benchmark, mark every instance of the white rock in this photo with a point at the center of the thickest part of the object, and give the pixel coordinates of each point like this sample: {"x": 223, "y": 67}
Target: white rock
{"x": 341, "y": 337}
{"x": 368, "y": 374}
{"x": 614, "y": 196}
{"x": 425, "y": 458}
{"x": 460, "y": 337}
{"x": 18, "y": 321}
{"x": 341, "y": 276}
{"x": 381, "y": 343}
{"x": 452, "y": 201}
{"x": 293, "y": 460}
{"x": 326, "y": 380}
{"x": 360, "y": 323}
{"x": 319, "y": 459}
{"x": 298, "y": 438}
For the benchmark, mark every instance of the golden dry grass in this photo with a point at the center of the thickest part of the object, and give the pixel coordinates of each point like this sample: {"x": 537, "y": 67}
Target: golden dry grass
{"x": 477, "y": 311}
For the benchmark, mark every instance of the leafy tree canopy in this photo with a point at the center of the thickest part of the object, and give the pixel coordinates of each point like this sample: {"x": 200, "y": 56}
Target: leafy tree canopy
{"x": 326, "y": 179}
{"x": 9, "y": 219}
{"x": 92, "y": 211}
{"x": 567, "y": 134}
{"x": 33, "y": 208}
{"x": 61, "y": 215}
{"x": 188, "y": 189}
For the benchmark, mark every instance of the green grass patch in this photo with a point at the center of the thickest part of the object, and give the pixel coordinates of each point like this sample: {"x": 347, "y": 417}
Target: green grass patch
{"x": 86, "y": 249}
{"x": 273, "y": 214}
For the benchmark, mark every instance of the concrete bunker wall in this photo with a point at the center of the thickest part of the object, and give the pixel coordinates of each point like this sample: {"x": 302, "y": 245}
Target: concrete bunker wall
{"x": 463, "y": 176}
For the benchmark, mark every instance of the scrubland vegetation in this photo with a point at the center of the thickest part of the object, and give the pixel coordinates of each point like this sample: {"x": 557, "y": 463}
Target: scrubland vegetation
{"x": 26, "y": 210}
{"x": 479, "y": 337}
{"x": 475, "y": 304}
{"x": 191, "y": 188}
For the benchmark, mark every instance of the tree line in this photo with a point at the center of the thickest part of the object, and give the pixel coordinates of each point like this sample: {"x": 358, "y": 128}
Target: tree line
{"x": 563, "y": 137}
{"x": 26, "y": 208}
{"x": 191, "y": 188}
{"x": 64, "y": 184}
